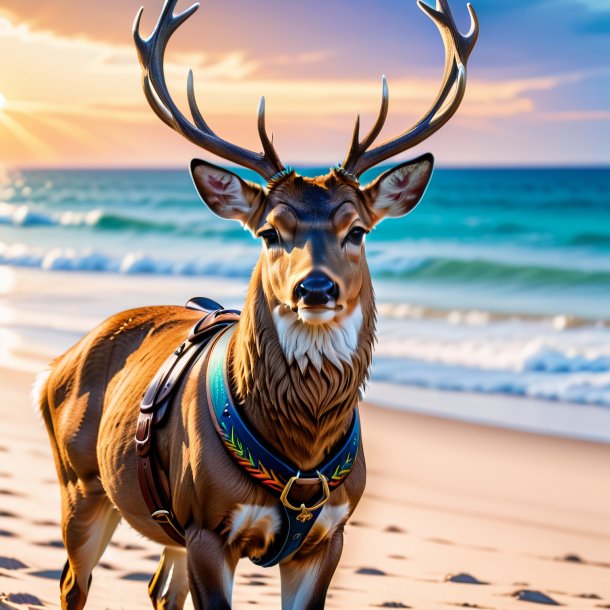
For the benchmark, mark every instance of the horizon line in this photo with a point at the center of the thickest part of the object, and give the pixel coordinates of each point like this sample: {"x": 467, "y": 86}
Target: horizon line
{"x": 604, "y": 165}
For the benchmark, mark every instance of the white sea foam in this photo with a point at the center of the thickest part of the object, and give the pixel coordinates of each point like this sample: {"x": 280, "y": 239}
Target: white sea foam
{"x": 29, "y": 214}
{"x": 533, "y": 358}
{"x": 72, "y": 259}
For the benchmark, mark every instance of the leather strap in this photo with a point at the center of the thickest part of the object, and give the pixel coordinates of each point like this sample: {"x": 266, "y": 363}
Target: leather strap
{"x": 275, "y": 474}
{"x": 155, "y": 406}
{"x": 155, "y": 498}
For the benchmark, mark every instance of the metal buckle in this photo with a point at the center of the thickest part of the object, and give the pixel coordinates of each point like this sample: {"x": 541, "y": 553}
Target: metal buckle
{"x": 165, "y": 517}
{"x": 161, "y": 516}
{"x": 306, "y": 512}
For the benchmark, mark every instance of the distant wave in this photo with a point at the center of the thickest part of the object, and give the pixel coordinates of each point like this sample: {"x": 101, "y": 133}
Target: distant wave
{"x": 464, "y": 271}
{"x": 150, "y": 218}
{"x": 590, "y": 239}
{"x": 439, "y": 270}
{"x": 553, "y": 360}
{"x": 579, "y": 388}
{"x": 69, "y": 259}
{"x": 479, "y": 317}
{"x": 528, "y": 357}
{"x": 25, "y": 215}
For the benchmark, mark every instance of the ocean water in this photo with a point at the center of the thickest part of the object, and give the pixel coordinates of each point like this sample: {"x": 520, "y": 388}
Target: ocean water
{"x": 498, "y": 282}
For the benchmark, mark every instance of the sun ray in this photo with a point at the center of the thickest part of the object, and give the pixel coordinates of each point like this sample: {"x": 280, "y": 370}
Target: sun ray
{"x": 67, "y": 128}
{"x": 24, "y": 136}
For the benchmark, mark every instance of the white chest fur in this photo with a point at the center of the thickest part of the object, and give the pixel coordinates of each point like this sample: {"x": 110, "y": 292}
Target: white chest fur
{"x": 254, "y": 525}
{"x": 335, "y": 341}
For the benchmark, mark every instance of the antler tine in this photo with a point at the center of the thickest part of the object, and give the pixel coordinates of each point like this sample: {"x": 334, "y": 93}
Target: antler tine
{"x": 197, "y": 116}
{"x": 355, "y": 145}
{"x": 151, "y": 52}
{"x": 262, "y": 132}
{"x": 383, "y": 115}
{"x": 357, "y": 148}
{"x": 458, "y": 48}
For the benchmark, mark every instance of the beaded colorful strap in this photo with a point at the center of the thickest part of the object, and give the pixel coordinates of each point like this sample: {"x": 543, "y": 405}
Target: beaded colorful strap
{"x": 276, "y": 474}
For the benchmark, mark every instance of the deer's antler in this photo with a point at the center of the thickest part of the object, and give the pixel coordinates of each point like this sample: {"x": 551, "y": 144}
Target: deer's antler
{"x": 457, "y": 50}
{"x": 151, "y": 52}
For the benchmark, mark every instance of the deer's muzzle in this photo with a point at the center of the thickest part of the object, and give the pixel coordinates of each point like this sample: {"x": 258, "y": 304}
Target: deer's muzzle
{"x": 316, "y": 290}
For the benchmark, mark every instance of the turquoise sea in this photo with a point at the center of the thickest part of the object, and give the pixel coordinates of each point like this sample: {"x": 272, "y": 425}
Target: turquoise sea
{"x": 498, "y": 282}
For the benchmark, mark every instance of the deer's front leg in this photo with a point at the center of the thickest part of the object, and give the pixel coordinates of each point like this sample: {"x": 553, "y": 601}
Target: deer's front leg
{"x": 210, "y": 570}
{"x": 305, "y": 579}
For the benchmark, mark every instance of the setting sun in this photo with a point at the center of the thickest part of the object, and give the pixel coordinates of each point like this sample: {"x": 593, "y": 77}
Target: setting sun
{"x": 2, "y": 102}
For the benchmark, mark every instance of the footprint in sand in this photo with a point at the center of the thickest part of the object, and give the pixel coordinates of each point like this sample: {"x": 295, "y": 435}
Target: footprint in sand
{"x": 463, "y": 578}
{"x": 51, "y": 574}
{"x": 570, "y": 558}
{"x": 8, "y": 492}
{"x": 127, "y": 547}
{"x": 440, "y": 541}
{"x": 588, "y": 596}
{"x": 56, "y": 544}
{"x": 536, "y": 597}
{"x": 370, "y": 572}
{"x": 574, "y": 558}
{"x": 24, "y": 599}
{"x": 6, "y": 534}
{"x": 139, "y": 576}
{"x": 256, "y": 576}
{"x": 394, "y": 529}
{"x": 10, "y": 563}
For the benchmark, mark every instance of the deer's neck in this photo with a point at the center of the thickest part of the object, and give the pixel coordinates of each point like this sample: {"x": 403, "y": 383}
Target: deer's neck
{"x": 301, "y": 407}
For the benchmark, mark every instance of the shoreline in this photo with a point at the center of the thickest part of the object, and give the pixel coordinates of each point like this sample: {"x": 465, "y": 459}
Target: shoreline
{"x": 520, "y": 413}
{"x": 42, "y": 314}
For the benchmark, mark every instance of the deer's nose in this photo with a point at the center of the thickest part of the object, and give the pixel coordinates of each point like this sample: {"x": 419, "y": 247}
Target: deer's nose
{"x": 316, "y": 289}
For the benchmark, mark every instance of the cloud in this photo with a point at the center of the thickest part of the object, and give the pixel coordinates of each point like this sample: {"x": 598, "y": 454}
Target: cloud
{"x": 313, "y": 98}
{"x": 94, "y": 79}
{"x": 574, "y": 116}
{"x": 312, "y": 57}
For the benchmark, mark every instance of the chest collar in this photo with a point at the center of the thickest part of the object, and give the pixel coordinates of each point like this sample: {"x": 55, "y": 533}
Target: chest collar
{"x": 275, "y": 473}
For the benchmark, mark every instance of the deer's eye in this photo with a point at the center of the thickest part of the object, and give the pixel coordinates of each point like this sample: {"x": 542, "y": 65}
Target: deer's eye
{"x": 355, "y": 236}
{"x": 271, "y": 237}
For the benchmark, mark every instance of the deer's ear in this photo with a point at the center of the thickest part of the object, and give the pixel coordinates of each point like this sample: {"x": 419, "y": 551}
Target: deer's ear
{"x": 397, "y": 191}
{"x": 225, "y": 193}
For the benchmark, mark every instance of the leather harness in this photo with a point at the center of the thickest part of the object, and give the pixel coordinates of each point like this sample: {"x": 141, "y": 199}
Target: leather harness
{"x": 211, "y": 334}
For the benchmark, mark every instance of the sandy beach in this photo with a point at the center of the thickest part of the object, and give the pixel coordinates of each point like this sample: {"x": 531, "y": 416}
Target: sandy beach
{"x": 515, "y": 511}
{"x": 513, "y": 514}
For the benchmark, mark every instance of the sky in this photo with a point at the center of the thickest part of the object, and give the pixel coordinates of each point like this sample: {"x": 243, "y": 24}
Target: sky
{"x": 70, "y": 91}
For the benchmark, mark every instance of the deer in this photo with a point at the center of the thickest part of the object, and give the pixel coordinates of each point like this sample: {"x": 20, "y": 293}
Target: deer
{"x": 294, "y": 363}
